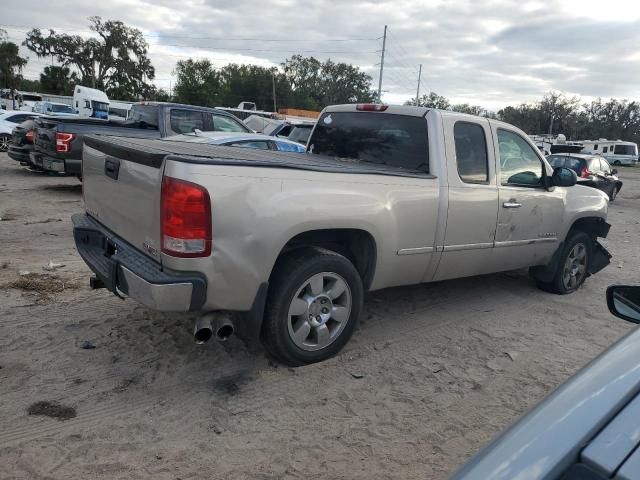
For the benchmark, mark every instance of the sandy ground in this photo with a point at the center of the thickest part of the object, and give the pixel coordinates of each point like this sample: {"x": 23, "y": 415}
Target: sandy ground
{"x": 432, "y": 374}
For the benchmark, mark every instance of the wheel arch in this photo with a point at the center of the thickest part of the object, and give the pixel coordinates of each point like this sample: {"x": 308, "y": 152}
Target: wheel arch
{"x": 357, "y": 245}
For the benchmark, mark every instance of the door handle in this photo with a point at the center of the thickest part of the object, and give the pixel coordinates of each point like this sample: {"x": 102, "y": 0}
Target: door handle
{"x": 511, "y": 204}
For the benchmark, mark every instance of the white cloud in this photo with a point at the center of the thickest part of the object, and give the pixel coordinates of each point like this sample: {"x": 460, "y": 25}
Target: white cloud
{"x": 490, "y": 53}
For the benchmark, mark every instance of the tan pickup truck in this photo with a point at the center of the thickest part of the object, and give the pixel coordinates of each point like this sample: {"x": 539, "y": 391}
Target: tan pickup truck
{"x": 283, "y": 246}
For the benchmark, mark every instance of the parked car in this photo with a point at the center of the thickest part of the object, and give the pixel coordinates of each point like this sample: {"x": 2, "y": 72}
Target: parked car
{"x": 588, "y": 428}
{"x": 22, "y": 141}
{"x": 8, "y": 121}
{"x": 592, "y": 170}
{"x": 297, "y": 132}
{"x": 59, "y": 141}
{"x": 283, "y": 246}
{"x": 246, "y": 140}
{"x": 51, "y": 108}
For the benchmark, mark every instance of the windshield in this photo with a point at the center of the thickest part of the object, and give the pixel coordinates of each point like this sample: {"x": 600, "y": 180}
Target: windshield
{"x": 394, "y": 140}
{"x": 100, "y": 106}
{"x": 56, "y": 108}
{"x": 625, "y": 150}
{"x": 145, "y": 115}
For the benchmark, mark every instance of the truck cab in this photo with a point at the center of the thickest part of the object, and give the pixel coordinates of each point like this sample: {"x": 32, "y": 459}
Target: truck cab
{"x": 91, "y": 103}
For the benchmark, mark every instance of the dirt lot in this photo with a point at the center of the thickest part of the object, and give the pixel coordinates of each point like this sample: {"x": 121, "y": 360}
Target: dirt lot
{"x": 432, "y": 374}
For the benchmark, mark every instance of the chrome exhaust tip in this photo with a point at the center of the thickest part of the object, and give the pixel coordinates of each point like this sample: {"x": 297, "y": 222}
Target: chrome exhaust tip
{"x": 203, "y": 331}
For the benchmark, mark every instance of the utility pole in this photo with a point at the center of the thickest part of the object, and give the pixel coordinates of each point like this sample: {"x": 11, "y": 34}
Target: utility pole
{"x": 384, "y": 45}
{"x": 273, "y": 85}
{"x": 418, "y": 90}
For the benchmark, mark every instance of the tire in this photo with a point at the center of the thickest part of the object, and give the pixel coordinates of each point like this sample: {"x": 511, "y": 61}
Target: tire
{"x": 614, "y": 193}
{"x": 573, "y": 265}
{"x": 304, "y": 282}
{"x": 617, "y": 163}
{"x": 4, "y": 142}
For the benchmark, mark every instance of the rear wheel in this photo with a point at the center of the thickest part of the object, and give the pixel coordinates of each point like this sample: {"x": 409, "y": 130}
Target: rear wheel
{"x": 614, "y": 193}
{"x": 315, "y": 300}
{"x": 573, "y": 265}
{"x": 4, "y": 142}
{"x": 617, "y": 162}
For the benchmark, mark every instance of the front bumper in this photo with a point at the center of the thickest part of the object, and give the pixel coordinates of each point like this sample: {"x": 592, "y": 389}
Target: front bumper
{"x": 127, "y": 272}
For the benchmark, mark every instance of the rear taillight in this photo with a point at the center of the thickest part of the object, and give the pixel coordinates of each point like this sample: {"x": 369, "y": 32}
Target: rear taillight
{"x": 585, "y": 173}
{"x": 185, "y": 219}
{"x": 63, "y": 142}
{"x": 371, "y": 107}
{"x": 29, "y": 136}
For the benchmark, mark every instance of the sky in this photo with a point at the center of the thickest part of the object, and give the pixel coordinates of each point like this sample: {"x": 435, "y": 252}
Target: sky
{"x": 491, "y": 53}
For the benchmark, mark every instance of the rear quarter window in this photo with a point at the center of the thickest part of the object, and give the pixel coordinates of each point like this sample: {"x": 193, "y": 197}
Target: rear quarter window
{"x": 369, "y": 137}
{"x": 471, "y": 152}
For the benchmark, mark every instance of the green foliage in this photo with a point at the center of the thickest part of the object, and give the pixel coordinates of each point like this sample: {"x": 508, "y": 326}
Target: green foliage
{"x": 116, "y": 61}
{"x": 11, "y": 62}
{"x": 431, "y": 100}
{"x": 302, "y": 82}
{"x": 58, "y": 80}
{"x": 198, "y": 83}
{"x": 27, "y": 85}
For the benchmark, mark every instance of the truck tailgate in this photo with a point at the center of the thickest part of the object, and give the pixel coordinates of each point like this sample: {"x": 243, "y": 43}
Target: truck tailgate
{"x": 123, "y": 194}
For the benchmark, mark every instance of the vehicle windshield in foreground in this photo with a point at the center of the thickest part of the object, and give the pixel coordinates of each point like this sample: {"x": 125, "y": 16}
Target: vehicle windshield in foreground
{"x": 394, "y": 140}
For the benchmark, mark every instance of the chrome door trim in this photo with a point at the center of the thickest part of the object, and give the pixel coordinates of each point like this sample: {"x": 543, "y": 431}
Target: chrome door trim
{"x": 469, "y": 246}
{"x": 517, "y": 243}
{"x": 415, "y": 251}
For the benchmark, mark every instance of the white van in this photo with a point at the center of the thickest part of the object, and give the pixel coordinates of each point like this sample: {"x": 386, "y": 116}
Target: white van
{"x": 89, "y": 102}
{"x": 616, "y": 152}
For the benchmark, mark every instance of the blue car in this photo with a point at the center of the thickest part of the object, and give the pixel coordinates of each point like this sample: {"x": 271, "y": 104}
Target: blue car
{"x": 238, "y": 139}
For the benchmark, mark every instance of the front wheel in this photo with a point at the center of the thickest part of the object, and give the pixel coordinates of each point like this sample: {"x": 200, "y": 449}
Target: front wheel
{"x": 573, "y": 265}
{"x": 315, "y": 300}
{"x": 614, "y": 193}
{"x": 617, "y": 163}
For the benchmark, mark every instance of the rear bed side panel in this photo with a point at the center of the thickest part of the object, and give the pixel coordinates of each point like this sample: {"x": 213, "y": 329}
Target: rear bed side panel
{"x": 129, "y": 204}
{"x": 256, "y": 212}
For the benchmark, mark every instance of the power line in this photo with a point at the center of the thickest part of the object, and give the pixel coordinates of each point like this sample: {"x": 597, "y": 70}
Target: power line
{"x": 231, "y": 39}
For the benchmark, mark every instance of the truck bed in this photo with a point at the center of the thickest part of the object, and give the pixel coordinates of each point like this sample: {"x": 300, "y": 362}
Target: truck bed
{"x": 152, "y": 152}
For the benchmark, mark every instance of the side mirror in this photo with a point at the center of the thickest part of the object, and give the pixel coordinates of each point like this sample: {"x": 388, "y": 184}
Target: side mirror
{"x": 614, "y": 171}
{"x": 564, "y": 177}
{"x": 624, "y": 302}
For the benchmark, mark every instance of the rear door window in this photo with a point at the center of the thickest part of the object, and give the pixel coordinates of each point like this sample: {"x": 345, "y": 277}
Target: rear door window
{"x": 556, "y": 161}
{"x": 575, "y": 164}
{"x": 398, "y": 141}
{"x": 471, "y": 152}
{"x": 186, "y": 121}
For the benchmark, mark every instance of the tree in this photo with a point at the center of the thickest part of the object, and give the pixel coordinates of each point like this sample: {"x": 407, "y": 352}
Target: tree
{"x": 11, "y": 63}
{"x": 116, "y": 61}
{"x": 198, "y": 83}
{"x": 431, "y": 100}
{"x": 58, "y": 80}
{"x": 252, "y": 83}
{"x": 315, "y": 84}
{"x": 27, "y": 85}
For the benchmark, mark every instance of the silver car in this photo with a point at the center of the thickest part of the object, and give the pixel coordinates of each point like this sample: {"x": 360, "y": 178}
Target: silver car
{"x": 587, "y": 429}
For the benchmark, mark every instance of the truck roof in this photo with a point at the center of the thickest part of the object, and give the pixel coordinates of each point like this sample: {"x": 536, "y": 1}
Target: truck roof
{"x": 179, "y": 105}
{"x": 393, "y": 109}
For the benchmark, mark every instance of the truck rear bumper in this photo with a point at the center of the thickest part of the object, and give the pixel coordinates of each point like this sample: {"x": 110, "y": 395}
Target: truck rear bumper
{"x": 126, "y": 271}
{"x": 53, "y": 164}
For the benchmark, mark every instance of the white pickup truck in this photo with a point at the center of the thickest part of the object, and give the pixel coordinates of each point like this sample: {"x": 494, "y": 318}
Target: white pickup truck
{"x": 283, "y": 246}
